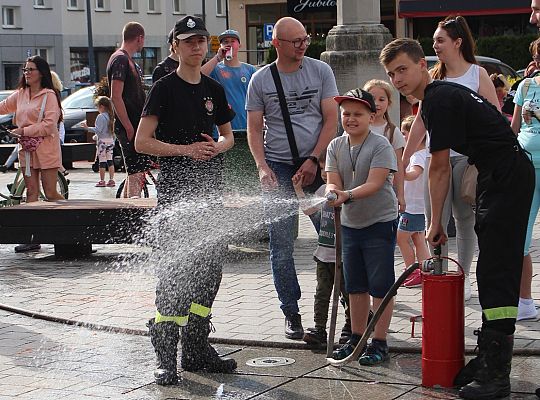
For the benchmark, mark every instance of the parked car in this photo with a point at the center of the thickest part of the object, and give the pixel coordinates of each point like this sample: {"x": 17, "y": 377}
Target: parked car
{"x": 492, "y": 66}
{"x": 6, "y": 120}
{"x": 75, "y": 107}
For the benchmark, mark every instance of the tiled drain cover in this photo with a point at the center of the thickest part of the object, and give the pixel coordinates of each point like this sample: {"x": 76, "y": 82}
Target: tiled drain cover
{"x": 270, "y": 361}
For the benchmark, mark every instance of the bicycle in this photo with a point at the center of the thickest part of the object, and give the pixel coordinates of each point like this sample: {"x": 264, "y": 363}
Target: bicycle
{"x": 149, "y": 179}
{"x": 18, "y": 186}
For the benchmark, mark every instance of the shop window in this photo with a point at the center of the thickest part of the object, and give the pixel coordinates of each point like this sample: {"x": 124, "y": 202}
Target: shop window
{"x": 179, "y": 6}
{"x": 147, "y": 59}
{"x": 79, "y": 66}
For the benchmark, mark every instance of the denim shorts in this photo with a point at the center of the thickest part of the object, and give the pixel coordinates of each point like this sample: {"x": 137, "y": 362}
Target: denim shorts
{"x": 368, "y": 258}
{"x": 412, "y": 222}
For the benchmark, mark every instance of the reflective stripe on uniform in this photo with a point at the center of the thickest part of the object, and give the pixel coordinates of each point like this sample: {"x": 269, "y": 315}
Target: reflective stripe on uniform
{"x": 493, "y": 314}
{"x": 200, "y": 310}
{"x": 179, "y": 320}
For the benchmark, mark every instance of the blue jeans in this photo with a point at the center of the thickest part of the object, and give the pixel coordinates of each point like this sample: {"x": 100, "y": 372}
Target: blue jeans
{"x": 281, "y": 214}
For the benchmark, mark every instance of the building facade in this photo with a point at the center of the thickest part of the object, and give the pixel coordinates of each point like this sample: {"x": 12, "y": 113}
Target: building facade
{"x": 57, "y": 30}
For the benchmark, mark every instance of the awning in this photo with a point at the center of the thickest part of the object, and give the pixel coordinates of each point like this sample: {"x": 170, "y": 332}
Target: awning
{"x": 438, "y": 8}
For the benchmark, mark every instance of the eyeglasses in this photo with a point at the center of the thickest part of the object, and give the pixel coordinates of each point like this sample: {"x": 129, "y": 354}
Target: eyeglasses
{"x": 28, "y": 70}
{"x": 297, "y": 43}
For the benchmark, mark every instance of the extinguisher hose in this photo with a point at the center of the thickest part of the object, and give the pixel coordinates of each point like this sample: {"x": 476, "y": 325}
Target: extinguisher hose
{"x": 371, "y": 326}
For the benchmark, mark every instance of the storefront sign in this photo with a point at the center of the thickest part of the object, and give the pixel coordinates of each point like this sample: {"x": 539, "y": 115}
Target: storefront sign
{"x": 299, "y": 6}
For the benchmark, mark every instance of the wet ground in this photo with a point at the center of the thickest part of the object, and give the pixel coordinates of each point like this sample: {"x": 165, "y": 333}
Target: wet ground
{"x": 47, "y": 360}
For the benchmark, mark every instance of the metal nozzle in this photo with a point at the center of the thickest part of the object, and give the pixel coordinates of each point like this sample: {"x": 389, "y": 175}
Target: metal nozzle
{"x": 331, "y": 196}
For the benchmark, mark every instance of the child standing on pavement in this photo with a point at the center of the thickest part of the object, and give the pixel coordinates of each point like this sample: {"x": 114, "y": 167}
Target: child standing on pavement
{"x": 412, "y": 222}
{"x": 382, "y": 125}
{"x": 359, "y": 167}
{"x": 322, "y": 216}
{"x": 104, "y": 131}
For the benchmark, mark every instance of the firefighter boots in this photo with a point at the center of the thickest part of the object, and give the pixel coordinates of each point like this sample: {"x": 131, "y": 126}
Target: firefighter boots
{"x": 197, "y": 353}
{"x": 164, "y": 337}
{"x": 491, "y": 368}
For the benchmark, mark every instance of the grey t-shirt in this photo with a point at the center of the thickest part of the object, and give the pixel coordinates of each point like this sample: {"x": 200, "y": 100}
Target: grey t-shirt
{"x": 304, "y": 90}
{"x": 375, "y": 152}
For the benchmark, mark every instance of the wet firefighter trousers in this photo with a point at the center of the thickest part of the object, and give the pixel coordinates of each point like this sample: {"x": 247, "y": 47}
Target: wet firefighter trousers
{"x": 504, "y": 195}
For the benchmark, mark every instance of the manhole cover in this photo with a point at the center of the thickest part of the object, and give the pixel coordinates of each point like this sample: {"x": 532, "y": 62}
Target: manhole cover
{"x": 270, "y": 361}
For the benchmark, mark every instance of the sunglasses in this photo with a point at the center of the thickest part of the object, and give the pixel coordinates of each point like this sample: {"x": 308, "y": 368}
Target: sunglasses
{"x": 28, "y": 70}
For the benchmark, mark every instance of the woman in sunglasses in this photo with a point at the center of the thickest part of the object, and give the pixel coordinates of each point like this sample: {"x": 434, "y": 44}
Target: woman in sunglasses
{"x": 37, "y": 106}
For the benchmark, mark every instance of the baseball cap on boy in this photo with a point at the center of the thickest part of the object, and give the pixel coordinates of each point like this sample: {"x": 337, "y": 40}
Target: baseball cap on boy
{"x": 229, "y": 33}
{"x": 358, "y": 95}
{"x": 189, "y": 26}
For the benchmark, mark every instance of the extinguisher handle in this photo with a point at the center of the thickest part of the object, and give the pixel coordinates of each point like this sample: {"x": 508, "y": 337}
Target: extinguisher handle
{"x": 437, "y": 250}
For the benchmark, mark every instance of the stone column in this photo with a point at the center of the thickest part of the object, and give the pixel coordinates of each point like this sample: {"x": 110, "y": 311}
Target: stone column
{"x": 354, "y": 44}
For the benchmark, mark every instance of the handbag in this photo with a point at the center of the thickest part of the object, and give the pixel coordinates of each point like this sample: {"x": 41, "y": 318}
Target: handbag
{"x": 469, "y": 181}
{"x": 31, "y": 143}
{"x": 297, "y": 160}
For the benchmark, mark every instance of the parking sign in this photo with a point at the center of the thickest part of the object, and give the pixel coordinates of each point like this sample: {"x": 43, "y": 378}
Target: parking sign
{"x": 267, "y": 32}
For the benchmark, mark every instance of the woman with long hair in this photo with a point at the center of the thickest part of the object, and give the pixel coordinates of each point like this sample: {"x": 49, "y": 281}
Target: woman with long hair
{"x": 37, "y": 106}
{"x": 455, "y": 48}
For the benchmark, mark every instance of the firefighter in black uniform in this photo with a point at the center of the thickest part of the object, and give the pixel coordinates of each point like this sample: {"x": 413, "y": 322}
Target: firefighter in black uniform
{"x": 185, "y": 106}
{"x": 460, "y": 119}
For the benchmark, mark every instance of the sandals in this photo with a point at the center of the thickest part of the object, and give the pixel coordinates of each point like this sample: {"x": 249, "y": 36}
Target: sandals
{"x": 376, "y": 353}
{"x": 347, "y": 349}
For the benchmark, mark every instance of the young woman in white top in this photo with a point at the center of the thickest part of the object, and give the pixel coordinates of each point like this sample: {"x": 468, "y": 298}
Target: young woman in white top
{"x": 455, "y": 48}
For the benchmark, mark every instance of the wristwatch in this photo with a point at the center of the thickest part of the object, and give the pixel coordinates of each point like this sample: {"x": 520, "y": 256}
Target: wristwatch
{"x": 314, "y": 159}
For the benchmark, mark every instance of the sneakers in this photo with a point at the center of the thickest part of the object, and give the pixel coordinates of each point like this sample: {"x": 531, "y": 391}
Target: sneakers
{"x": 414, "y": 279}
{"x": 27, "y": 247}
{"x": 526, "y": 309}
{"x": 101, "y": 184}
{"x": 111, "y": 183}
{"x": 293, "y": 327}
{"x": 376, "y": 353}
{"x": 467, "y": 288}
{"x": 316, "y": 337}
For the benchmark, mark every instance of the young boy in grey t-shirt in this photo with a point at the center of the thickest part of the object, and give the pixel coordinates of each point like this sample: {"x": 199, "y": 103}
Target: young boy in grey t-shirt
{"x": 359, "y": 166}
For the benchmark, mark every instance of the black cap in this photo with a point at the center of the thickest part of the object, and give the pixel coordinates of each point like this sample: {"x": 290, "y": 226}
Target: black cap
{"x": 189, "y": 26}
{"x": 170, "y": 37}
{"x": 358, "y": 95}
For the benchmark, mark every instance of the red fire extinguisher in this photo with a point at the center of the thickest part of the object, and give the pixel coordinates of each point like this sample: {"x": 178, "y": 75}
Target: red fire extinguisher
{"x": 443, "y": 343}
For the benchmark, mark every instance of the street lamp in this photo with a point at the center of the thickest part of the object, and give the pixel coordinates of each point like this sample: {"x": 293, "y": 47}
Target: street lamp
{"x": 91, "y": 61}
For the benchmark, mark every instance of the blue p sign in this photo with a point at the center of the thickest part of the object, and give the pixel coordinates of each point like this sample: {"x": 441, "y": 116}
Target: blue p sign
{"x": 268, "y": 29}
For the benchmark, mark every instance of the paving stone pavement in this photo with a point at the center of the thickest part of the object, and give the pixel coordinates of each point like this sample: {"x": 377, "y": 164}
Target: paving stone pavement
{"x": 41, "y": 359}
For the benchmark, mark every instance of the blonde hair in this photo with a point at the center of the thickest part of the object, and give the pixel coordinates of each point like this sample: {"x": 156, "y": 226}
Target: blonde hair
{"x": 390, "y": 127}
{"x": 106, "y": 102}
{"x": 57, "y": 83}
{"x": 407, "y": 122}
